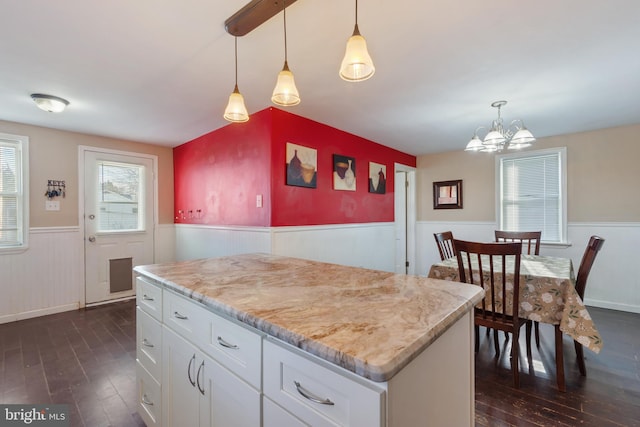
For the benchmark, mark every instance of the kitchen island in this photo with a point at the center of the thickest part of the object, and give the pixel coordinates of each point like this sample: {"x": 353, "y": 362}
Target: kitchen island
{"x": 308, "y": 343}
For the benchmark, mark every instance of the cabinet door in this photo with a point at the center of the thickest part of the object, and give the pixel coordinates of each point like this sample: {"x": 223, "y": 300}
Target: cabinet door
{"x": 180, "y": 398}
{"x": 149, "y": 343}
{"x": 227, "y": 401}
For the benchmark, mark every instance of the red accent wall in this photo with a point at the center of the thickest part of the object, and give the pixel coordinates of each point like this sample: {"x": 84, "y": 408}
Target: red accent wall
{"x": 221, "y": 173}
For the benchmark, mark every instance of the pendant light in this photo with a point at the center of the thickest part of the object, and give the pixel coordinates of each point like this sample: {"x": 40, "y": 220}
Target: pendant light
{"x": 236, "y": 112}
{"x": 357, "y": 65}
{"x": 285, "y": 93}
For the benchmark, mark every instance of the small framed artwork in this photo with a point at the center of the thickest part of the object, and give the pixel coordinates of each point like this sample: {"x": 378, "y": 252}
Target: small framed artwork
{"x": 447, "y": 194}
{"x": 301, "y": 165}
{"x": 344, "y": 173}
{"x": 377, "y": 178}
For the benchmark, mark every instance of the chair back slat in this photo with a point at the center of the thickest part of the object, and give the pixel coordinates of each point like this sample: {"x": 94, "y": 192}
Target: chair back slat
{"x": 529, "y": 239}
{"x": 594, "y": 246}
{"x": 444, "y": 241}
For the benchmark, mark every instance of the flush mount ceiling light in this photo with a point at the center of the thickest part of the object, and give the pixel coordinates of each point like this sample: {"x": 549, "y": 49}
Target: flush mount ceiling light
{"x": 236, "y": 112}
{"x": 514, "y": 137}
{"x": 285, "y": 93}
{"x": 357, "y": 65}
{"x": 50, "y": 103}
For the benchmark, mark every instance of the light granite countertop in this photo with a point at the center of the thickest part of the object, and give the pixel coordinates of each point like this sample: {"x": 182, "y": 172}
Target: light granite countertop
{"x": 369, "y": 322}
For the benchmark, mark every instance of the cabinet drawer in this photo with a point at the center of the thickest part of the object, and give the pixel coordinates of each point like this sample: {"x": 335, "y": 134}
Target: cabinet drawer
{"x": 235, "y": 347}
{"x": 149, "y": 297}
{"x": 318, "y": 395}
{"x": 185, "y": 316}
{"x": 149, "y": 343}
{"x": 149, "y": 397}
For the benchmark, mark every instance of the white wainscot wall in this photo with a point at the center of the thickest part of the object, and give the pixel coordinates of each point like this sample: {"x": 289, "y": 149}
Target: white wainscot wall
{"x": 614, "y": 281}
{"x": 48, "y": 277}
{"x": 369, "y": 245}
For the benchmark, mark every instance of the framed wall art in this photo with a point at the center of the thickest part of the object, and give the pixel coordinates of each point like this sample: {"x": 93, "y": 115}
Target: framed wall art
{"x": 447, "y": 194}
{"x": 377, "y": 178}
{"x": 344, "y": 173}
{"x": 301, "y": 165}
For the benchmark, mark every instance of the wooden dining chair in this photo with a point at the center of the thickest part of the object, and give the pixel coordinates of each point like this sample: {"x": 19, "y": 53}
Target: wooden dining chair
{"x": 589, "y": 256}
{"x": 502, "y": 276}
{"x": 531, "y": 246}
{"x": 444, "y": 241}
{"x": 529, "y": 239}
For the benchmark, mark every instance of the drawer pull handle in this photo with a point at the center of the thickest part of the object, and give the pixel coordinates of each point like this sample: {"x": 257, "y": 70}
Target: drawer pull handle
{"x": 147, "y": 298}
{"x": 146, "y": 343}
{"x": 310, "y": 396}
{"x": 226, "y": 344}
{"x": 179, "y": 316}
{"x": 146, "y": 400}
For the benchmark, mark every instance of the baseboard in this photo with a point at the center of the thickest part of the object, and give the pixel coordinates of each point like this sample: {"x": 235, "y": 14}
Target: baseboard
{"x": 40, "y": 312}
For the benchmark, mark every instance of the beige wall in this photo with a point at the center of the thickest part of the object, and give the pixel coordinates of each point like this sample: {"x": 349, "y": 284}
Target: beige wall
{"x": 53, "y": 154}
{"x": 603, "y": 178}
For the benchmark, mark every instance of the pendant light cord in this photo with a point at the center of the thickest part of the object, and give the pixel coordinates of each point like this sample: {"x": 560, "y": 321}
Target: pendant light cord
{"x": 284, "y": 12}
{"x": 236, "y": 46}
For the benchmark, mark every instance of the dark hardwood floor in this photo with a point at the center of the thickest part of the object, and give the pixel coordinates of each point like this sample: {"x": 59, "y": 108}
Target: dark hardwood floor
{"x": 86, "y": 359}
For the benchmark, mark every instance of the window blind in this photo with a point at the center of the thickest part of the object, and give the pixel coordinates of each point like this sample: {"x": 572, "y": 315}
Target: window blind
{"x": 10, "y": 233}
{"x": 531, "y": 195}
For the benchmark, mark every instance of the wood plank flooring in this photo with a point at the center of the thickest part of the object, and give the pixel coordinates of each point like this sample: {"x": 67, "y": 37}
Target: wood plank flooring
{"x": 86, "y": 359}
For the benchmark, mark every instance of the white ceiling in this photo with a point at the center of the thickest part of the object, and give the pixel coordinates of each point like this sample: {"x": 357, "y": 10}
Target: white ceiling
{"x": 161, "y": 71}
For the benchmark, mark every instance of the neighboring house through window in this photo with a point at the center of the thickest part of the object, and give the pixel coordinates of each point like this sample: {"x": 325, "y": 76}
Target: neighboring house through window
{"x": 531, "y": 193}
{"x": 14, "y": 192}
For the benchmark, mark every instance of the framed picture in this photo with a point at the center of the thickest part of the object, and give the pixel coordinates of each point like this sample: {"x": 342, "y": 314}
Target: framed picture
{"x": 344, "y": 173}
{"x": 447, "y": 194}
{"x": 377, "y": 178}
{"x": 301, "y": 165}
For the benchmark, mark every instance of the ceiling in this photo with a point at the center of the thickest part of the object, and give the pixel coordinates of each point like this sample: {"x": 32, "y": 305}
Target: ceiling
{"x": 161, "y": 71}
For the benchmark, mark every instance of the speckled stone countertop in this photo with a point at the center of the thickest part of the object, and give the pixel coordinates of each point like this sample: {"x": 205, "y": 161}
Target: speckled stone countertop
{"x": 369, "y": 322}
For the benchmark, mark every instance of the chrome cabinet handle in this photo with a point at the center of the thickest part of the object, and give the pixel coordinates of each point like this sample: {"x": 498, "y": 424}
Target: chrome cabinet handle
{"x": 146, "y": 343}
{"x": 310, "y": 396}
{"x": 147, "y": 298}
{"x": 226, "y": 344}
{"x": 146, "y": 400}
{"x": 201, "y": 368}
{"x": 179, "y": 316}
{"x": 193, "y": 359}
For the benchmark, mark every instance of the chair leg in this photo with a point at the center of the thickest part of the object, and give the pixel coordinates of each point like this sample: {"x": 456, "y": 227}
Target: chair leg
{"x": 496, "y": 343}
{"x": 528, "y": 339}
{"x": 515, "y": 359}
{"x": 506, "y": 336}
{"x": 580, "y": 358}
{"x": 537, "y": 331}
{"x": 559, "y": 360}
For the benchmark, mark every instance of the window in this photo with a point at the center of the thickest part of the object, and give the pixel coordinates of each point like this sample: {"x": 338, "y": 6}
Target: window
{"x": 531, "y": 191}
{"x": 14, "y": 192}
{"x": 120, "y": 191}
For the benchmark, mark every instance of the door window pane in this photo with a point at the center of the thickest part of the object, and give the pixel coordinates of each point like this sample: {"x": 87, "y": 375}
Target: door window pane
{"x": 120, "y": 197}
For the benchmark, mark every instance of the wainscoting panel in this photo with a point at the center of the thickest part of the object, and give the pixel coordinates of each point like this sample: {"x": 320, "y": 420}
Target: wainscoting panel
{"x": 370, "y": 245}
{"x": 614, "y": 281}
{"x": 47, "y": 278}
{"x": 202, "y": 241}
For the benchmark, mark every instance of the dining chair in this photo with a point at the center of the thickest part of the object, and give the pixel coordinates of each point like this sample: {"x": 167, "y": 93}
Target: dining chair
{"x": 500, "y": 267}
{"x": 531, "y": 241}
{"x": 530, "y": 238}
{"x": 444, "y": 241}
{"x": 589, "y": 256}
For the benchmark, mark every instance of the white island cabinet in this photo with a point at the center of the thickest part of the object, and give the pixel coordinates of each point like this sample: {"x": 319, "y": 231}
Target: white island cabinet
{"x": 265, "y": 341}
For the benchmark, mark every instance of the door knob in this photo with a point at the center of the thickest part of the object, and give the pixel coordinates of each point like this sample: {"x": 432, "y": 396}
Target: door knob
{"x": 92, "y": 239}
{"x": 92, "y": 216}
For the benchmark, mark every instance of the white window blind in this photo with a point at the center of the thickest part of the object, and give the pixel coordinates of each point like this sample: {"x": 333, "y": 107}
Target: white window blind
{"x": 531, "y": 193}
{"x": 13, "y": 212}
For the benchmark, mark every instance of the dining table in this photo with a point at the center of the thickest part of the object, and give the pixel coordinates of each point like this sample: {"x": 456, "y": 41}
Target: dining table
{"x": 547, "y": 295}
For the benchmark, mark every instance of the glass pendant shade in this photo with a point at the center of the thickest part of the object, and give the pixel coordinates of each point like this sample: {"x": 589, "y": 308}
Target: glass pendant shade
{"x": 236, "y": 111}
{"x": 50, "y": 103}
{"x": 494, "y": 138}
{"x": 356, "y": 65}
{"x": 285, "y": 93}
{"x": 475, "y": 144}
{"x": 522, "y": 136}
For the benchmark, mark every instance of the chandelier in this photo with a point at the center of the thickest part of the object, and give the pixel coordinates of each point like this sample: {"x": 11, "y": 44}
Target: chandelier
{"x": 514, "y": 137}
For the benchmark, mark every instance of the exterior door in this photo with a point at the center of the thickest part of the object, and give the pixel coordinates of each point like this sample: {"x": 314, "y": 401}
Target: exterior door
{"x": 118, "y": 222}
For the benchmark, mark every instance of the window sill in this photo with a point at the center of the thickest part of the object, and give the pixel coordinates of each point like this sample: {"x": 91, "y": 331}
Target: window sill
{"x": 11, "y": 250}
{"x": 557, "y": 244}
